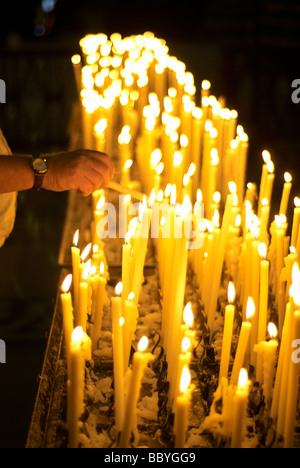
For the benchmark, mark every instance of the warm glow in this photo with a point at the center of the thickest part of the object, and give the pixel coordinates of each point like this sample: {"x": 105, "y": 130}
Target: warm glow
{"x": 75, "y": 238}
{"x": 238, "y": 221}
{"x": 93, "y": 270}
{"x": 66, "y": 283}
{"x": 121, "y": 321}
{"x": 128, "y": 164}
{"x": 272, "y": 330}
{"x": 86, "y": 252}
{"x": 243, "y": 378}
{"x": 102, "y": 268}
{"x": 191, "y": 169}
{"x": 206, "y": 85}
{"x": 297, "y": 202}
{"x": 160, "y": 168}
{"x": 214, "y": 157}
{"x": 100, "y": 126}
{"x": 185, "y": 379}
{"x": 100, "y": 203}
{"x": 270, "y": 166}
{"x": 185, "y": 344}
{"x": 296, "y": 274}
{"x": 156, "y": 156}
{"x": 265, "y": 202}
{"x": 131, "y": 296}
{"x": 287, "y": 177}
{"x": 177, "y": 158}
{"x": 278, "y": 221}
{"x": 143, "y": 344}
{"x": 262, "y": 250}
{"x": 232, "y": 187}
{"x": 152, "y": 197}
{"x": 173, "y": 195}
{"x": 119, "y": 288}
{"x": 266, "y": 156}
{"x": 188, "y": 315}
{"x": 250, "y": 310}
{"x": 86, "y": 270}
{"x": 77, "y": 334}
{"x": 231, "y": 292}
{"x": 216, "y": 197}
{"x": 216, "y": 218}
{"x": 76, "y": 59}
{"x": 199, "y": 196}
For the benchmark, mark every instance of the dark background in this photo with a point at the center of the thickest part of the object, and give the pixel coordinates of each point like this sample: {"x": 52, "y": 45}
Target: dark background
{"x": 250, "y": 51}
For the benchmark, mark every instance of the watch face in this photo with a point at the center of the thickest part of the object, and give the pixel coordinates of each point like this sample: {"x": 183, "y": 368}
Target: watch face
{"x": 40, "y": 165}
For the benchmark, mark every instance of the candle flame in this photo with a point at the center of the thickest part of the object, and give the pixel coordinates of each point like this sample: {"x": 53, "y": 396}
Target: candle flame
{"x": 278, "y": 221}
{"x": 188, "y": 315}
{"x": 86, "y": 252}
{"x": 128, "y": 164}
{"x": 262, "y": 250}
{"x": 199, "y": 196}
{"x": 205, "y": 85}
{"x": 270, "y": 166}
{"x": 231, "y": 292}
{"x": 131, "y": 296}
{"x": 159, "y": 168}
{"x": 143, "y": 344}
{"x": 156, "y": 156}
{"x": 272, "y": 330}
{"x": 76, "y": 59}
{"x": 76, "y": 238}
{"x": 296, "y": 274}
{"x": 216, "y": 197}
{"x": 250, "y": 310}
{"x": 119, "y": 288}
{"x": 238, "y": 221}
{"x": 66, "y": 283}
{"x": 216, "y": 218}
{"x": 287, "y": 177}
{"x": 93, "y": 270}
{"x": 243, "y": 378}
{"x": 232, "y": 187}
{"x": 152, "y": 197}
{"x": 86, "y": 270}
{"x": 102, "y": 268}
{"x": 185, "y": 379}
{"x": 100, "y": 203}
{"x": 297, "y": 202}
{"x": 266, "y": 156}
{"x": 77, "y": 334}
{"x": 121, "y": 321}
{"x": 185, "y": 344}
{"x": 265, "y": 202}
{"x": 173, "y": 195}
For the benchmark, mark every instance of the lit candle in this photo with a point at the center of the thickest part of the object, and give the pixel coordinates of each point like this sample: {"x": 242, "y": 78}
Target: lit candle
{"x": 293, "y": 386}
{"x": 98, "y": 313}
{"x": 75, "y": 251}
{"x": 239, "y": 409}
{"x": 268, "y": 351}
{"x": 243, "y": 343}
{"x": 262, "y": 188}
{"x": 269, "y": 182}
{"x": 67, "y": 310}
{"x": 285, "y": 193}
{"x": 227, "y": 333}
{"x": 98, "y": 216}
{"x": 220, "y": 259}
{"x": 182, "y": 408}
{"x": 296, "y": 220}
{"x": 83, "y": 299}
{"x": 80, "y": 350}
{"x": 140, "y": 362}
{"x": 263, "y": 305}
{"x": 117, "y": 339}
{"x": 129, "y": 327}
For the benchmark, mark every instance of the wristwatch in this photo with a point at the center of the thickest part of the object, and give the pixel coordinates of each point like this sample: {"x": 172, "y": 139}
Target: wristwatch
{"x": 40, "y": 168}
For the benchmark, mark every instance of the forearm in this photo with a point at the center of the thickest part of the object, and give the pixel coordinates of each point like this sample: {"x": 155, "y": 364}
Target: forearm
{"x": 16, "y": 173}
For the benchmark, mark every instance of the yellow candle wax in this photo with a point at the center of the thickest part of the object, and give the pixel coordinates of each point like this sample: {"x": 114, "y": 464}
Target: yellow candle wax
{"x": 98, "y": 215}
{"x": 182, "y": 408}
{"x": 80, "y": 350}
{"x": 262, "y": 188}
{"x": 117, "y": 338}
{"x": 296, "y": 221}
{"x": 129, "y": 327}
{"x": 101, "y": 285}
{"x": 126, "y": 254}
{"x": 219, "y": 260}
{"x": 83, "y": 300}
{"x": 293, "y": 385}
{"x": 67, "y": 310}
{"x": 75, "y": 252}
{"x": 269, "y": 182}
{"x": 267, "y": 350}
{"x": 227, "y": 333}
{"x": 285, "y": 193}
{"x": 263, "y": 306}
{"x": 242, "y": 343}
{"x": 140, "y": 362}
{"x": 239, "y": 409}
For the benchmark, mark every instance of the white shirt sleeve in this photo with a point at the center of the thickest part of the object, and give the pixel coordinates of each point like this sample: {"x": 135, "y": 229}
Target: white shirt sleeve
{"x": 8, "y": 201}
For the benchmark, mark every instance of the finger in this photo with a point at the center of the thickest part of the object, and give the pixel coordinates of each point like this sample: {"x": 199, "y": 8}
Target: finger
{"x": 99, "y": 172}
{"x": 104, "y": 159}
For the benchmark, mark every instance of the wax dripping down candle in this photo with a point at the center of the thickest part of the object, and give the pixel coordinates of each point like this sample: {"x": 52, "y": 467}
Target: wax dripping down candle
{"x": 182, "y": 407}
{"x": 67, "y": 309}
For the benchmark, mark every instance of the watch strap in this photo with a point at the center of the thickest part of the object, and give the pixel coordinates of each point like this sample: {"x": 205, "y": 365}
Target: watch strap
{"x": 38, "y": 177}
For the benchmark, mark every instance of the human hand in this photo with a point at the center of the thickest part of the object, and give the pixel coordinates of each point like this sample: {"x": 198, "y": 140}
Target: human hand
{"x": 84, "y": 170}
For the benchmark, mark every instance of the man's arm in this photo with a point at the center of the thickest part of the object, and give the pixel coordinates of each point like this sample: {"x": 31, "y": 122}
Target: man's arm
{"x": 83, "y": 170}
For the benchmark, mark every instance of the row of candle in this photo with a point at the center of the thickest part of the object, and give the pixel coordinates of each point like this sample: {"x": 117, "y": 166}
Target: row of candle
{"x": 175, "y": 138}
